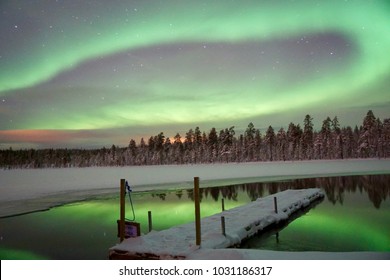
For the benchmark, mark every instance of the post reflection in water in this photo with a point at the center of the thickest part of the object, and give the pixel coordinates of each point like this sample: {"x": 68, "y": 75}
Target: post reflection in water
{"x": 377, "y": 188}
{"x": 354, "y": 216}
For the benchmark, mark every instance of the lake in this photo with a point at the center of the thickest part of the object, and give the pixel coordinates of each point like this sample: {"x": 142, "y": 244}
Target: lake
{"x": 354, "y": 216}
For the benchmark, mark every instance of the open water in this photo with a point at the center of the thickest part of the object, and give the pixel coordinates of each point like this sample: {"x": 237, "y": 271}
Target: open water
{"x": 354, "y": 216}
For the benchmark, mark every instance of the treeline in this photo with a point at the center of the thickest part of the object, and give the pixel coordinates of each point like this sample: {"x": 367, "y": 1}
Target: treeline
{"x": 370, "y": 140}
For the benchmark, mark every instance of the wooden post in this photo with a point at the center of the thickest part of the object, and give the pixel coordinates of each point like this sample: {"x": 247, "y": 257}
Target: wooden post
{"x": 122, "y": 210}
{"x": 150, "y": 220}
{"x": 276, "y": 205}
{"x": 223, "y": 204}
{"x": 223, "y": 225}
{"x": 197, "y": 211}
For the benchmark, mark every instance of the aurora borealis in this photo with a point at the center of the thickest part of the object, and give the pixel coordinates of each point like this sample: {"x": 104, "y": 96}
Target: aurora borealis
{"x": 94, "y": 73}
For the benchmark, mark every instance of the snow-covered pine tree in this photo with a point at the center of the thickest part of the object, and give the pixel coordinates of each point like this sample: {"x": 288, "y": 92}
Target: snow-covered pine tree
{"x": 249, "y": 143}
{"x": 368, "y": 137}
{"x": 307, "y": 138}
{"x": 213, "y": 145}
{"x": 270, "y": 140}
{"x": 281, "y": 144}
{"x": 294, "y": 133}
{"x": 336, "y": 148}
{"x": 258, "y": 146}
{"x": 385, "y": 139}
{"x": 326, "y": 140}
{"x": 177, "y": 148}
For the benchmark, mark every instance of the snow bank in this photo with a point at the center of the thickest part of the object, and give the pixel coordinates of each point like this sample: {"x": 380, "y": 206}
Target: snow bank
{"x": 241, "y": 223}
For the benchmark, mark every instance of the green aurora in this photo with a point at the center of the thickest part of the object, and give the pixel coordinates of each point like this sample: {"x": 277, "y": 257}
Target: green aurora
{"x": 95, "y": 73}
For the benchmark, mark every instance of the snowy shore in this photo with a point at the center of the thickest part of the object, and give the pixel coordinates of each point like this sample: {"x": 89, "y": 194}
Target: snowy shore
{"x": 27, "y": 190}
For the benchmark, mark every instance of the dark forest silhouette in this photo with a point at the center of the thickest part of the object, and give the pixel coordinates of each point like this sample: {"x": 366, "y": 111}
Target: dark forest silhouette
{"x": 370, "y": 140}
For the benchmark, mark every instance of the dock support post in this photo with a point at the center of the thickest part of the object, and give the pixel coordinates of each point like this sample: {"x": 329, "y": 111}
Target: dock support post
{"x": 223, "y": 204}
{"x": 122, "y": 210}
{"x": 223, "y": 225}
{"x": 197, "y": 211}
{"x": 150, "y": 221}
{"x": 276, "y": 205}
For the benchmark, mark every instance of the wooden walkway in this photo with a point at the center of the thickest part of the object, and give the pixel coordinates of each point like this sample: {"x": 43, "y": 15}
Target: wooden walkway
{"x": 241, "y": 223}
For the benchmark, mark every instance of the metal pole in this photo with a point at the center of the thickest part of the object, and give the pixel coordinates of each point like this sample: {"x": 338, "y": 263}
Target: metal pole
{"x": 197, "y": 211}
{"x": 122, "y": 210}
{"x": 223, "y": 204}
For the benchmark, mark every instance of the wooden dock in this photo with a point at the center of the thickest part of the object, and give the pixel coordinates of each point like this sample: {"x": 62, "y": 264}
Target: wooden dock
{"x": 223, "y": 230}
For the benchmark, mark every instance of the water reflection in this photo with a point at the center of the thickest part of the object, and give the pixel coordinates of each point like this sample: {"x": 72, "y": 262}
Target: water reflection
{"x": 376, "y": 186}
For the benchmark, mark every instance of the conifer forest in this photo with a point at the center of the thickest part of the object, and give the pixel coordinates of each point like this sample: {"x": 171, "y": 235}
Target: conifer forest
{"x": 296, "y": 142}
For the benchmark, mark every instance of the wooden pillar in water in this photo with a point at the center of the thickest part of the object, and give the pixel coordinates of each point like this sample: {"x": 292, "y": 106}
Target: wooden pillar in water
{"x": 122, "y": 210}
{"x": 150, "y": 221}
{"x": 197, "y": 211}
{"x": 223, "y": 227}
{"x": 276, "y": 204}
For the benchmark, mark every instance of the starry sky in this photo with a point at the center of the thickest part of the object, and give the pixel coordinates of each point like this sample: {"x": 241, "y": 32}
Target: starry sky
{"x": 97, "y": 73}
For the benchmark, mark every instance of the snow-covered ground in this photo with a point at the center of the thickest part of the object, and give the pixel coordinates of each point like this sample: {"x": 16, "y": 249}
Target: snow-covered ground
{"x": 25, "y": 190}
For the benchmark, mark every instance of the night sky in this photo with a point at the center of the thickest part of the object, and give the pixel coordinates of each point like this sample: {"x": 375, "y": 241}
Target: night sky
{"x": 97, "y": 73}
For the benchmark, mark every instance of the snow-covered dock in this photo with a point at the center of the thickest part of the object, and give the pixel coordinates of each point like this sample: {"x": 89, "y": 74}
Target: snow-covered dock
{"x": 241, "y": 223}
